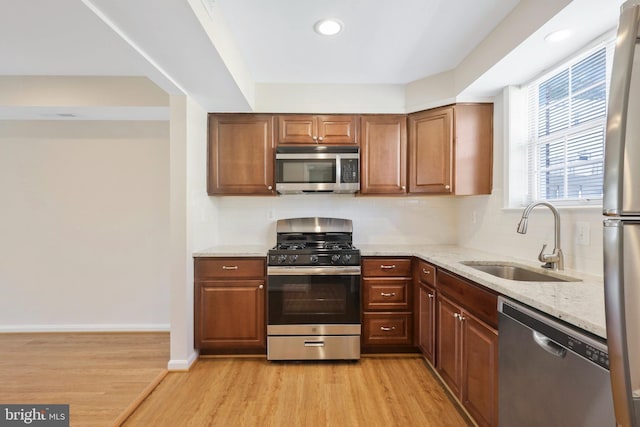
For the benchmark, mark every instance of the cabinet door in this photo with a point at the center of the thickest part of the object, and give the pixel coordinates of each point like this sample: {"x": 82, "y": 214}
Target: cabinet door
{"x": 431, "y": 148}
{"x": 241, "y": 154}
{"x": 480, "y": 370}
{"x": 297, "y": 129}
{"x": 337, "y": 129}
{"x": 310, "y": 129}
{"x": 474, "y": 149}
{"x": 230, "y": 314}
{"x": 427, "y": 321}
{"x": 383, "y": 154}
{"x": 449, "y": 342}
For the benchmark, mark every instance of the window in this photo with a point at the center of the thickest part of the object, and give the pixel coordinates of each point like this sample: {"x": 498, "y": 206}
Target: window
{"x": 566, "y": 129}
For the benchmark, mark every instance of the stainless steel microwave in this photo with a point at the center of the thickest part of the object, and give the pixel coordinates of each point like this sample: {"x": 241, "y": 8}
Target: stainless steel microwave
{"x": 317, "y": 169}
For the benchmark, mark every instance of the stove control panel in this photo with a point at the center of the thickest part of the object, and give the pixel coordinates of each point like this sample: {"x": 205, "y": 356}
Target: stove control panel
{"x": 344, "y": 258}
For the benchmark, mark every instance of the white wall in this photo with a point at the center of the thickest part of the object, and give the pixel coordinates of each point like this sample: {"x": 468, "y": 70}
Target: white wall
{"x": 410, "y": 220}
{"x": 84, "y": 225}
{"x": 485, "y": 225}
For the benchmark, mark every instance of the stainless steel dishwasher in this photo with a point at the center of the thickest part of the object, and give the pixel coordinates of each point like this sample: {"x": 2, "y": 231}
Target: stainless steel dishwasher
{"x": 550, "y": 374}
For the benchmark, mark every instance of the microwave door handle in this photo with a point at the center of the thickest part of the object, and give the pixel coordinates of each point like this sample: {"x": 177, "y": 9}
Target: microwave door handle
{"x": 338, "y": 170}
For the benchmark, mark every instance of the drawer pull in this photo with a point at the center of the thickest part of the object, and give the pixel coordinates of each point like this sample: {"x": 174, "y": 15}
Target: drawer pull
{"x": 387, "y": 328}
{"x": 425, "y": 271}
{"x": 261, "y": 287}
{"x": 387, "y": 267}
{"x": 314, "y": 343}
{"x": 391, "y": 294}
{"x": 229, "y": 267}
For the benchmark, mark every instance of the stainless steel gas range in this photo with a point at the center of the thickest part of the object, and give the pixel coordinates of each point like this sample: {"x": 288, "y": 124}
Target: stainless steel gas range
{"x": 313, "y": 291}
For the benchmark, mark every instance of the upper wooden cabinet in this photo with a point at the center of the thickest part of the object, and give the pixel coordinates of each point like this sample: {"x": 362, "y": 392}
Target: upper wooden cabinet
{"x": 451, "y": 150}
{"x": 383, "y": 154}
{"x": 241, "y": 154}
{"x": 317, "y": 129}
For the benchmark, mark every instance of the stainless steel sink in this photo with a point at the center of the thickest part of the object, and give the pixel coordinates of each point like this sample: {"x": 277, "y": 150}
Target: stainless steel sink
{"x": 516, "y": 272}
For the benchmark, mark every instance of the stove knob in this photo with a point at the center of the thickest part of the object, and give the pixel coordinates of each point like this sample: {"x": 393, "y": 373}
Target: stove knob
{"x": 282, "y": 259}
{"x": 335, "y": 258}
{"x": 313, "y": 258}
{"x": 346, "y": 258}
{"x": 292, "y": 258}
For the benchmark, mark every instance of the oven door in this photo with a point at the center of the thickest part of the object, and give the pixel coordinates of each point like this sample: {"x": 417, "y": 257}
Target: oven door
{"x": 313, "y": 300}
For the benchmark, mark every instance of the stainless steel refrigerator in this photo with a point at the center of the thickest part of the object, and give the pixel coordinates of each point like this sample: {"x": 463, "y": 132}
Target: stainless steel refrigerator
{"x": 621, "y": 207}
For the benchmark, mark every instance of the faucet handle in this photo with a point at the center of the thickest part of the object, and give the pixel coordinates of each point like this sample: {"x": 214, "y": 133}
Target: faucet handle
{"x": 541, "y": 256}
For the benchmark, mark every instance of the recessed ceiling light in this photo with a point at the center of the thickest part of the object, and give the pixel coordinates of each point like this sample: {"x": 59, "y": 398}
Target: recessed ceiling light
{"x": 328, "y": 27}
{"x": 557, "y": 36}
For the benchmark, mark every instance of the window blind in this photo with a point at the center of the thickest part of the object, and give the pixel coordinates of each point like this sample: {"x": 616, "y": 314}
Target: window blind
{"x": 566, "y": 129}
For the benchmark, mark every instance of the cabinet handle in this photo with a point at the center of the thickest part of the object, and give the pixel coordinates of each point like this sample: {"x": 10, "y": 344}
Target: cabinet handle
{"x": 446, "y": 187}
{"x": 430, "y": 295}
{"x": 261, "y": 287}
{"x": 269, "y": 188}
{"x": 425, "y": 271}
{"x": 392, "y": 294}
{"x": 404, "y": 187}
{"x": 320, "y": 139}
{"x": 387, "y": 267}
{"x": 229, "y": 267}
{"x": 387, "y": 328}
{"x": 456, "y": 315}
{"x": 315, "y": 138}
{"x": 460, "y": 317}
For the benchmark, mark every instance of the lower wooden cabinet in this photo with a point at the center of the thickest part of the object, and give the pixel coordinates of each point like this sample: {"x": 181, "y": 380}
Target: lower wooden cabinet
{"x": 387, "y": 303}
{"x": 425, "y": 309}
{"x": 467, "y": 346}
{"x": 229, "y": 310}
{"x": 426, "y": 321}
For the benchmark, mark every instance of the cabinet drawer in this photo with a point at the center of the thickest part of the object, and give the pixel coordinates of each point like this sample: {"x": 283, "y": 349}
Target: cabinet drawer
{"x": 386, "y": 267}
{"x": 387, "y": 328}
{"x": 386, "y": 294}
{"x": 427, "y": 273}
{"x": 226, "y": 268}
{"x": 476, "y": 300}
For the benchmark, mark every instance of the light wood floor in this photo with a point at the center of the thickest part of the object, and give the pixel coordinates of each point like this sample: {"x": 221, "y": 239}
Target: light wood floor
{"x": 98, "y": 374}
{"x": 376, "y": 391}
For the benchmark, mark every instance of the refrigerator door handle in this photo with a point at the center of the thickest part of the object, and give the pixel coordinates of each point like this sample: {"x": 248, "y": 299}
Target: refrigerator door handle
{"x": 618, "y": 110}
{"x": 621, "y": 276}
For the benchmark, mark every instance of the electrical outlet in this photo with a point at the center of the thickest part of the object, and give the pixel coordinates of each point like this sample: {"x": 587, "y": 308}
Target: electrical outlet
{"x": 583, "y": 232}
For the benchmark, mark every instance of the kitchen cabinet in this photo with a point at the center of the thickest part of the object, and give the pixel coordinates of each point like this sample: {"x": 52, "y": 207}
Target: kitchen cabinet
{"x": 241, "y": 154}
{"x": 317, "y": 129}
{"x": 387, "y": 304}
{"x": 383, "y": 154}
{"x": 467, "y": 345}
{"x": 451, "y": 150}
{"x": 425, "y": 309}
{"x": 229, "y": 311}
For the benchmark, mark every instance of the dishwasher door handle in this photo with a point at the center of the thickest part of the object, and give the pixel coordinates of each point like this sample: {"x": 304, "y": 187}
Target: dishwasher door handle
{"x": 548, "y": 345}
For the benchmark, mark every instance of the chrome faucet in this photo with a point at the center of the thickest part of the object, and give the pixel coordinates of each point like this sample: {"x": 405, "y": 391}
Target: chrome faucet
{"x": 554, "y": 260}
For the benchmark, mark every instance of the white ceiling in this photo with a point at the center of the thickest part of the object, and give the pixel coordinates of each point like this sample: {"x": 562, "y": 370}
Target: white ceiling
{"x": 169, "y": 41}
{"x": 383, "y": 42}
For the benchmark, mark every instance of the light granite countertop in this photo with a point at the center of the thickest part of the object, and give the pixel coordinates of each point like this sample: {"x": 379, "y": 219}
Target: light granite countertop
{"x": 233, "y": 250}
{"x": 578, "y": 303}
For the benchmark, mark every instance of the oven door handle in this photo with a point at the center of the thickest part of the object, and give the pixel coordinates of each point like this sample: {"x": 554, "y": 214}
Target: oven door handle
{"x": 305, "y": 271}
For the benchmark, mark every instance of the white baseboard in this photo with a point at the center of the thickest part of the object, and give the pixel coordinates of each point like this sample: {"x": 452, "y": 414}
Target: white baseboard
{"x": 124, "y": 327}
{"x": 182, "y": 364}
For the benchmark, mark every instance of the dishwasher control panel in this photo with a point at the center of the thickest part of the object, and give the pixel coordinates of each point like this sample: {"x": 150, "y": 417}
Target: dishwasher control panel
{"x": 588, "y": 352}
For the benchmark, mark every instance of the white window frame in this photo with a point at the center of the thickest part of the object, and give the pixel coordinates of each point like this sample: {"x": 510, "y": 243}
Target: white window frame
{"x": 519, "y": 176}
